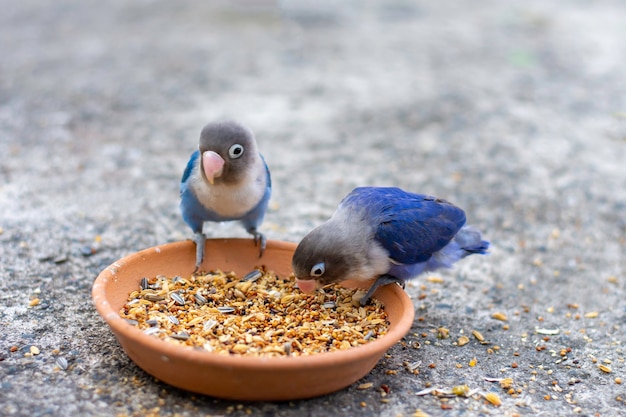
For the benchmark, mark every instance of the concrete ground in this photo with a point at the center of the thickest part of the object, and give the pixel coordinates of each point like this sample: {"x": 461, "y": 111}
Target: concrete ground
{"x": 515, "y": 111}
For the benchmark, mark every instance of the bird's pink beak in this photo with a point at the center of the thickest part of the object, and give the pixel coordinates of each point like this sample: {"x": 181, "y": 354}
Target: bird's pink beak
{"x": 212, "y": 164}
{"x": 307, "y": 286}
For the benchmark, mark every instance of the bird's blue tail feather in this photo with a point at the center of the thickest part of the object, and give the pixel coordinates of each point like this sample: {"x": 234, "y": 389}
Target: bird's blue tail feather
{"x": 470, "y": 240}
{"x": 467, "y": 241}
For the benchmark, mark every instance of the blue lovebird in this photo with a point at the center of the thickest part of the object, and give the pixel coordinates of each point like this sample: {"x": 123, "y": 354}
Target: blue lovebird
{"x": 226, "y": 179}
{"x": 387, "y": 234}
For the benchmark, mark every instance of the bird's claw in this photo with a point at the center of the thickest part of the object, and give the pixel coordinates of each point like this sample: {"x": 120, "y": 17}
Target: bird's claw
{"x": 200, "y": 242}
{"x": 380, "y": 282}
{"x": 260, "y": 240}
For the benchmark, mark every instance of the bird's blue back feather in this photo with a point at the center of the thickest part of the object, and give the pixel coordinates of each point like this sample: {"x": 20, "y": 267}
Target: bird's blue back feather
{"x": 190, "y": 165}
{"x": 410, "y": 226}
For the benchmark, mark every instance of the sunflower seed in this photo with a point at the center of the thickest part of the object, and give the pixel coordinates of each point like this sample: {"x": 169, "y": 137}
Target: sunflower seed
{"x": 369, "y": 335}
{"x": 178, "y": 299}
{"x": 153, "y": 297}
{"x": 180, "y": 336}
{"x": 144, "y": 283}
{"x": 152, "y": 322}
{"x": 426, "y": 391}
{"x": 329, "y": 304}
{"x": 60, "y": 259}
{"x": 173, "y": 320}
{"x": 414, "y": 365}
{"x": 225, "y": 309}
{"x": 253, "y": 275}
{"x": 199, "y": 299}
{"x": 208, "y": 325}
{"x": 152, "y": 330}
{"x": 549, "y": 332}
{"x": 132, "y": 322}
{"x": 62, "y": 362}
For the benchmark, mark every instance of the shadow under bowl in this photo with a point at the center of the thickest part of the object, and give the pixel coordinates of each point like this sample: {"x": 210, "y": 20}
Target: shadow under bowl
{"x": 229, "y": 376}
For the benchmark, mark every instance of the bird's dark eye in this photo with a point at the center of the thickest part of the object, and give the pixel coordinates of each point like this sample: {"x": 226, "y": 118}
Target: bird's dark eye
{"x": 235, "y": 151}
{"x": 318, "y": 270}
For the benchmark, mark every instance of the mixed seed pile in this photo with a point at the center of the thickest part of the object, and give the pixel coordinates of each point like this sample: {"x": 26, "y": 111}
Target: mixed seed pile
{"x": 257, "y": 315}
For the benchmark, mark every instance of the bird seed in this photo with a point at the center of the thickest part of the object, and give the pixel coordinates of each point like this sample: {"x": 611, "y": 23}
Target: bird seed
{"x": 257, "y": 315}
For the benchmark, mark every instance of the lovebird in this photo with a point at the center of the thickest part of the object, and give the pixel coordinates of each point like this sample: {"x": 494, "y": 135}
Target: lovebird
{"x": 226, "y": 179}
{"x": 384, "y": 233}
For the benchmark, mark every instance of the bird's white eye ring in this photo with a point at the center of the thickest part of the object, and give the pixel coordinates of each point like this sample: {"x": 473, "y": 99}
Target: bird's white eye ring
{"x": 235, "y": 151}
{"x": 318, "y": 270}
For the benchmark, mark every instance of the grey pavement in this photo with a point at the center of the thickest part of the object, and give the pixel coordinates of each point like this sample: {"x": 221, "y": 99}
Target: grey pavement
{"x": 515, "y": 111}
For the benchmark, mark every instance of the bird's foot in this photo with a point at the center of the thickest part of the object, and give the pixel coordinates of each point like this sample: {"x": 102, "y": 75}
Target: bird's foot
{"x": 200, "y": 240}
{"x": 380, "y": 282}
{"x": 259, "y": 240}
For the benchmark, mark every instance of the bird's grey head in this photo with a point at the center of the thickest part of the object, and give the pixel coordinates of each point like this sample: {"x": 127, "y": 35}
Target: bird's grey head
{"x": 323, "y": 257}
{"x": 234, "y": 143}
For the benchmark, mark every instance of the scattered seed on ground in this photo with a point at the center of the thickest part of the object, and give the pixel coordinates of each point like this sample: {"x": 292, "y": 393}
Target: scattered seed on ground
{"x": 499, "y": 316}
{"x": 462, "y": 340}
{"x": 62, "y": 363}
{"x": 493, "y": 398}
{"x": 478, "y": 335}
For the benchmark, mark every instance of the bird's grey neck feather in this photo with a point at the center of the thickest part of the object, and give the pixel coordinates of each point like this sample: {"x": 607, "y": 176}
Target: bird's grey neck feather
{"x": 356, "y": 242}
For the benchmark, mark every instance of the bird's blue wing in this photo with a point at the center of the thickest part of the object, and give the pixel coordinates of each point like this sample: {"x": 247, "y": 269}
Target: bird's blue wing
{"x": 410, "y": 226}
{"x": 267, "y": 171}
{"x": 190, "y": 165}
{"x": 254, "y": 217}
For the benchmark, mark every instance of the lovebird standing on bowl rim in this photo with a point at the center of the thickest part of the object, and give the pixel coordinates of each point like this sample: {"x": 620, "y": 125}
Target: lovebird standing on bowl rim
{"x": 226, "y": 179}
{"x": 384, "y": 233}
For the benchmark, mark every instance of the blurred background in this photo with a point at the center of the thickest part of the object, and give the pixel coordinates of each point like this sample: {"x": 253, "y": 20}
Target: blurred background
{"x": 515, "y": 111}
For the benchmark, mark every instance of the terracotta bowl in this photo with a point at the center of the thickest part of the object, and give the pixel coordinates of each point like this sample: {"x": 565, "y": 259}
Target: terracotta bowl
{"x": 236, "y": 377}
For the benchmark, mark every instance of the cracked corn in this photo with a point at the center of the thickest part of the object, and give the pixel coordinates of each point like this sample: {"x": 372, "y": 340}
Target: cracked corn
{"x": 268, "y": 316}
